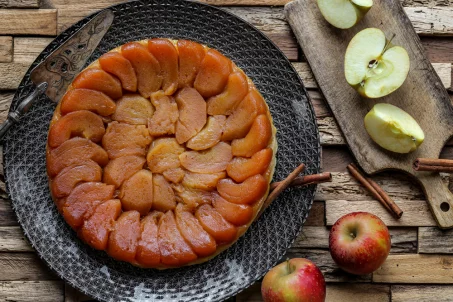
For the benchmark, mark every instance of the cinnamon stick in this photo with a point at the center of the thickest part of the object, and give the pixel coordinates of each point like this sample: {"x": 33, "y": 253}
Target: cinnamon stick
{"x": 376, "y": 191}
{"x": 282, "y": 186}
{"x": 306, "y": 180}
{"x": 433, "y": 165}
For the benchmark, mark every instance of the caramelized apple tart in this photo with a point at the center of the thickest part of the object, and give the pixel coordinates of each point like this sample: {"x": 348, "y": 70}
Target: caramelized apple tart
{"x": 161, "y": 153}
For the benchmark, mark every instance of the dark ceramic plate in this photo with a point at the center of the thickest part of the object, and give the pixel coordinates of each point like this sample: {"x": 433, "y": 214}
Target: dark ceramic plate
{"x": 267, "y": 240}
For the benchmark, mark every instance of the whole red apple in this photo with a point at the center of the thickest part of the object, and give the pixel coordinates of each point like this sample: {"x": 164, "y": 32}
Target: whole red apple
{"x": 359, "y": 243}
{"x": 295, "y": 280}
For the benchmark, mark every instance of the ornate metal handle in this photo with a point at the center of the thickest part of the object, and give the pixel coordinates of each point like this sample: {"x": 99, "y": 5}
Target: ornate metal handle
{"x": 24, "y": 106}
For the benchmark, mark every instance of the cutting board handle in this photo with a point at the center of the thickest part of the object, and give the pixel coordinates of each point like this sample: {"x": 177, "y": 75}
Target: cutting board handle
{"x": 439, "y": 198}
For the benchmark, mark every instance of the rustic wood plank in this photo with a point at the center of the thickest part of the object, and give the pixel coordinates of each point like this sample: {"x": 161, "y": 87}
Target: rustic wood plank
{"x": 27, "y": 49}
{"x": 317, "y": 214}
{"x": 335, "y": 159}
{"x": 433, "y": 240}
{"x": 5, "y": 102}
{"x": 431, "y": 20}
{"x": 416, "y": 212}
{"x": 251, "y": 294}
{"x": 19, "y": 3}
{"x": 322, "y": 258}
{"x": 6, "y": 49}
{"x": 438, "y": 49}
{"x": 12, "y": 239}
{"x": 24, "y": 266}
{"x": 7, "y": 216}
{"x": 73, "y": 295}
{"x": 357, "y": 293}
{"x": 415, "y": 268}
{"x": 421, "y": 293}
{"x": 334, "y": 293}
{"x": 11, "y": 74}
{"x": 404, "y": 240}
{"x": 28, "y": 22}
{"x": 345, "y": 187}
{"x": 22, "y": 291}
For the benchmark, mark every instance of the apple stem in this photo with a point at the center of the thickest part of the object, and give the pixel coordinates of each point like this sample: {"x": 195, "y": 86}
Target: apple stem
{"x": 388, "y": 44}
{"x": 288, "y": 267}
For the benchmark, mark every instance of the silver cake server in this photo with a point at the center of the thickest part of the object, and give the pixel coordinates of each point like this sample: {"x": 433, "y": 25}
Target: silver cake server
{"x": 53, "y": 75}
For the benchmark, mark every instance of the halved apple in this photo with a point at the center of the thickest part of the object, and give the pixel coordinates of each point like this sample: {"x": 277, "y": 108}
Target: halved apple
{"x": 344, "y": 13}
{"x": 373, "y": 66}
{"x": 393, "y": 128}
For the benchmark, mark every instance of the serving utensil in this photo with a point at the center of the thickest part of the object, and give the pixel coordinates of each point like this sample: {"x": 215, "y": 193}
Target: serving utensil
{"x": 53, "y": 75}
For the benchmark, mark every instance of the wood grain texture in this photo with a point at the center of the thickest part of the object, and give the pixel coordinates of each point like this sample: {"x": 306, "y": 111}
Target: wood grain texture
{"x": 416, "y": 212}
{"x": 12, "y": 239}
{"x": 73, "y": 295}
{"x": 416, "y": 268}
{"x": 317, "y": 215}
{"x": 345, "y": 187}
{"x": 322, "y": 258}
{"x": 19, "y": 3}
{"x": 432, "y": 240}
{"x": 318, "y": 38}
{"x": 6, "y": 49}
{"x": 431, "y": 20}
{"x": 27, "y": 49}
{"x": 11, "y": 74}
{"x": 7, "y": 216}
{"x": 28, "y": 22}
{"x": 404, "y": 240}
{"x": 421, "y": 293}
{"x": 31, "y": 291}
{"x": 334, "y": 293}
{"x": 357, "y": 293}
{"x": 24, "y": 266}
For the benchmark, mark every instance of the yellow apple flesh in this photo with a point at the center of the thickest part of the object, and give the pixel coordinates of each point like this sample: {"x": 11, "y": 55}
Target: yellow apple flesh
{"x": 374, "y": 67}
{"x": 393, "y": 128}
{"x": 344, "y": 14}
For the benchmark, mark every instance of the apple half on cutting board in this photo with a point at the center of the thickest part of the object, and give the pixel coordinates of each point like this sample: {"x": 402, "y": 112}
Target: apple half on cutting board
{"x": 373, "y": 66}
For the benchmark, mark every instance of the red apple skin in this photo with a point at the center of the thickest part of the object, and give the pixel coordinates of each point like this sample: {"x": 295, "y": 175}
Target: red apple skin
{"x": 359, "y": 243}
{"x": 295, "y": 280}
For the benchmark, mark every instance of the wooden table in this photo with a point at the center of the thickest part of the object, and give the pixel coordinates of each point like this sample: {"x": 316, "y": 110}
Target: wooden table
{"x": 420, "y": 266}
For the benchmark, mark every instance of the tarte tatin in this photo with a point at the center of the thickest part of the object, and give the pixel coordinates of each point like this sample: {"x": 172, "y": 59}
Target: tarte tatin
{"x": 161, "y": 153}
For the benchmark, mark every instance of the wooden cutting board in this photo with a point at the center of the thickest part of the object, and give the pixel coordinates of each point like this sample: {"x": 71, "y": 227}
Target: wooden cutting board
{"x": 422, "y": 95}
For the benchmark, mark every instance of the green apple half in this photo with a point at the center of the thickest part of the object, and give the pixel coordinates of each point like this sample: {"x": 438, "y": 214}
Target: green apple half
{"x": 373, "y": 66}
{"x": 344, "y": 13}
{"x": 393, "y": 128}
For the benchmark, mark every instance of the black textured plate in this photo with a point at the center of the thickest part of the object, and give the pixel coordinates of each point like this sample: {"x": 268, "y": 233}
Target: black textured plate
{"x": 267, "y": 240}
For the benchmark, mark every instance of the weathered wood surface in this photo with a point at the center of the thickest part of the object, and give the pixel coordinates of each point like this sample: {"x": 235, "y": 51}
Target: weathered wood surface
{"x": 19, "y": 3}
{"x": 31, "y": 22}
{"x": 421, "y": 293}
{"x": 12, "y": 239}
{"x": 416, "y": 268}
{"x": 335, "y": 293}
{"x": 23, "y": 266}
{"x": 28, "y": 291}
{"x": 416, "y": 212}
{"x": 6, "y": 49}
{"x": 432, "y": 241}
